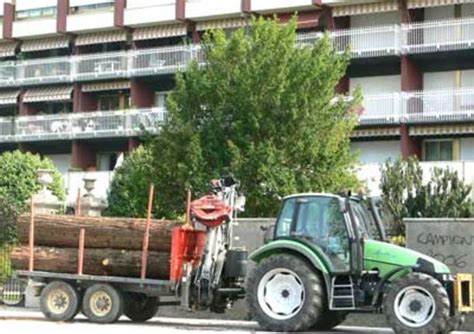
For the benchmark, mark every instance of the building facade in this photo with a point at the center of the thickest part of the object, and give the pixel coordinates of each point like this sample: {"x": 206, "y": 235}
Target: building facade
{"x": 80, "y": 79}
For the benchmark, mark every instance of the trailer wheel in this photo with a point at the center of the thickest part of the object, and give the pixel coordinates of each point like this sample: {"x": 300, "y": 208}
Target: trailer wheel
{"x": 417, "y": 303}
{"x": 102, "y": 303}
{"x": 59, "y": 301}
{"x": 285, "y": 294}
{"x": 140, "y": 308}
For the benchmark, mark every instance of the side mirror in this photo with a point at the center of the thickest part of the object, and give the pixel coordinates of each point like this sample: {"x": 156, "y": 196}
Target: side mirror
{"x": 240, "y": 204}
{"x": 342, "y": 205}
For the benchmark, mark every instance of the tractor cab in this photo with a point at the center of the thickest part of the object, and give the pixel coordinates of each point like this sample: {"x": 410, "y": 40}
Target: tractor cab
{"x": 328, "y": 257}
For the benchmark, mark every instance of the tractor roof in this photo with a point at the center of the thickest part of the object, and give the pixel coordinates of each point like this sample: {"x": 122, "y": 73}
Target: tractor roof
{"x": 312, "y": 195}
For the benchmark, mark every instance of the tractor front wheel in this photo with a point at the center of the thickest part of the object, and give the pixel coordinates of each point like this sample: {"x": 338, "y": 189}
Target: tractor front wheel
{"x": 417, "y": 303}
{"x": 285, "y": 294}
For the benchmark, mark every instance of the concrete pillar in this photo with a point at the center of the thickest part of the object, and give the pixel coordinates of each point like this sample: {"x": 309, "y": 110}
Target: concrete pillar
{"x": 411, "y": 80}
{"x": 83, "y": 101}
{"x": 119, "y": 11}
{"x": 142, "y": 94}
{"x": 83, "y": 155}
{"x": 61, "y": 18}
{"x": 8, "y": 18}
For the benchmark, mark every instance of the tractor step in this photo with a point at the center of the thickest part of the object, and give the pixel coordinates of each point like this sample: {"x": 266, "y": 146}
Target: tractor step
{"x": 342, "y": 293}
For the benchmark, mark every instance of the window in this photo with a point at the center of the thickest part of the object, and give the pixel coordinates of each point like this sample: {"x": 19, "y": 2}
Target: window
{"x": 114, "y": 102}
{"x": 438, "y": 150}
{"x": 92, "y": 8}
{"x": 36, "y": 13}
{"x": 160, "y": 99}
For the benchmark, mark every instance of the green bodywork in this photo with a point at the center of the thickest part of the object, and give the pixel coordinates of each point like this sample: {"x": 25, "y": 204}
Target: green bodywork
{"x": 385, "y": 257}
{"x": 379, "y": 255}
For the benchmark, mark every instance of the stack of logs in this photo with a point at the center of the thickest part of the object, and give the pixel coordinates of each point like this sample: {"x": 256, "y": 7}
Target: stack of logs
{"x": 113, "y": 246}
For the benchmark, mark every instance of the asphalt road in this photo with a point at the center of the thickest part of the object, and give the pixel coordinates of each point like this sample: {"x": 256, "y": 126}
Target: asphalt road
{"x": 20, "y": 321}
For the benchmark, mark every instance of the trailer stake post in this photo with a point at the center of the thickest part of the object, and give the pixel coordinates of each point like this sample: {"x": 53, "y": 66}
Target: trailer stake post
{"x": 31, "y": 263}
{"x": 80, "y": 259}
{"x": 146, "y": 238}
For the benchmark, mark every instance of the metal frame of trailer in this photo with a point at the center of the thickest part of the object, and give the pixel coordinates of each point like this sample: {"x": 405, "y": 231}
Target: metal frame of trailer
{"x": 150, "y": 287}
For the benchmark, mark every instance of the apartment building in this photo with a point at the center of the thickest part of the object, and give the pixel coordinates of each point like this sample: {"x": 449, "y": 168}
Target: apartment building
{"x": 80, "y": 79}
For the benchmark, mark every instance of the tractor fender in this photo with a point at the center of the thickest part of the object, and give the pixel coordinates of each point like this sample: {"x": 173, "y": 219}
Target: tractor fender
{"x": 296, "y": 248}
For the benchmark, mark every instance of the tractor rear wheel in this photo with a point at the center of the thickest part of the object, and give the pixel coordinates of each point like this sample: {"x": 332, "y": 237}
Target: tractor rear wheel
{"x": 285, "y": 294}
{"x": 329, "y": 320}
{"x": 417, "y": 303}
{"x": 456, "y": 321}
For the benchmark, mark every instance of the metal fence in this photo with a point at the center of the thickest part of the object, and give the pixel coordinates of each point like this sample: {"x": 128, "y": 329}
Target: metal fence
{"x": 381, "y": 109}
{"x": 439, "y": 106}
{"x": 122, "y": 123}
{"x": 441, "y": 35}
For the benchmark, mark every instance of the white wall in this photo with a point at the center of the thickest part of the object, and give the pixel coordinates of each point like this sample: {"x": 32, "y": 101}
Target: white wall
{"x": 62, "y": 161}
{"x": 377, "y": 85}
{"x": 439, "y": 13}
{"x": 376, "y": 151}
{"x": 467, "y": 149}
{"x": 149, "y": 3}
{"x": 32, "y": 4}
{"x": 369, "y": 20}
{"x": 438, "y": 80}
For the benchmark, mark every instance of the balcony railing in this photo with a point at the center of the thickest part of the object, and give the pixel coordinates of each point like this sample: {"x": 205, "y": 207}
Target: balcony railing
{"x": 86, "y": 125}
{"x": 439, "y": 106}
{"x": 435, "y": 36}
{"x": 381, "y": 109}
{"x": 368, "y": 42}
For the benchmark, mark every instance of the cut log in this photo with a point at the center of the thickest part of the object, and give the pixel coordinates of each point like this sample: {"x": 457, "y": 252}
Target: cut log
{"x": 110, "y": 262}
{"x": 101, "y": 232}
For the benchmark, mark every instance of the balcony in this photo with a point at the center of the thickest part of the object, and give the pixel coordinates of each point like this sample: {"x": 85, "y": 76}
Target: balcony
{"x": 140, "y": 12}
{"x": 272, "y": 6}
{"x": 90, "y": 21}
{"x": 439, "y": 106}
{"x": 363, "y": 42}
{"x": 437, "y": 36}
{"x": 31, "y": 28}
{"x": 87, "y": 125}
{"x": 381, "y": 109}
{"x": 202, "y": 9}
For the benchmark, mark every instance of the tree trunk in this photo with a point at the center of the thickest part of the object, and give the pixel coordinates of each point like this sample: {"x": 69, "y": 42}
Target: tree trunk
{"x": 101, "y": 232}
{"x": 109, "y": 262}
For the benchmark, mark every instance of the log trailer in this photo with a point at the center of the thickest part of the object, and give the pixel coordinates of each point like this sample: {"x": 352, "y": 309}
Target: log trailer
{"x": 323, "y": 261}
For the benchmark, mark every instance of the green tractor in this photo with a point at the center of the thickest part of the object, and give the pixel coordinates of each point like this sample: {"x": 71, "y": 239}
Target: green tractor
{"x": 327, "y": 258}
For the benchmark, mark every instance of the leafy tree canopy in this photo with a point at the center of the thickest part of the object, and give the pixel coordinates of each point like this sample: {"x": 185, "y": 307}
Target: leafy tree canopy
{"x": 261, "y": 108}
{"x": 19, "y": 179}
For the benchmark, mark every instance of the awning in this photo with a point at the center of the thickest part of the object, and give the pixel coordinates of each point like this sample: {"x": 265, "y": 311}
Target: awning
{"x": 8, "y": 49}
{"x": 49, "y": 43}
{"x": 433, "y": 3}
{"x": 358, "y": 9}
{"x": 155, "y": 32}
{"x": 102, "y": 86}
{"x": 102, "y": 37}
{"x": 232, "y": 23}
{"x": 48, "y": 94}
{"x": 376, "y": 132}
{"x": 440, "y": 130}
{"x": 9, "y": 97}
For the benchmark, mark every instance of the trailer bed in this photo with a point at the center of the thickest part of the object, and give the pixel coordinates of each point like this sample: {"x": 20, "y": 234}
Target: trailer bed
{"x": 151, "y": 287}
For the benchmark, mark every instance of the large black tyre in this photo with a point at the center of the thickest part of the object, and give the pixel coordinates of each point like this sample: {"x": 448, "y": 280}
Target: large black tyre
{"x": 329, "y": 320}
{"x": 102, "y": 304}
{"x": 417, "y": 303}
{"x": 59, "y": 301}
{"x": 456, "y": 322}
{"x": 139, "y": 307}
{"x": 285, "y": 294}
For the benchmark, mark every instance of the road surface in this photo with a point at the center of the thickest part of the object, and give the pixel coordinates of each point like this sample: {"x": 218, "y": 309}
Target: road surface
{"x": 20, "y": 321}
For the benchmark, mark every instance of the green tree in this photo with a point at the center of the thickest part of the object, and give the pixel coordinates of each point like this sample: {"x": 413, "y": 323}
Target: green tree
{"x": 261, "y": 108}
{"x": 19, "y": 180}
{"x": 406, "y": 195}
{"x": 128, "y": 192}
